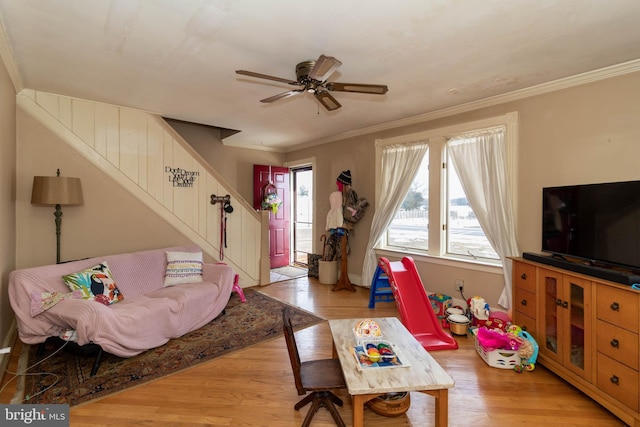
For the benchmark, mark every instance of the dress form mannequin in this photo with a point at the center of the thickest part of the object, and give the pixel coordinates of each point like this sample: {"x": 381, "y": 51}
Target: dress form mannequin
{"x": 334, "y": 217}
{"x": 343, "y": 183}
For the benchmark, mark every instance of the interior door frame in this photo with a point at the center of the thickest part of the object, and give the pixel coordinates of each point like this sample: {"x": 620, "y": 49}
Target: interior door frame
{"x": 311, "y": 161}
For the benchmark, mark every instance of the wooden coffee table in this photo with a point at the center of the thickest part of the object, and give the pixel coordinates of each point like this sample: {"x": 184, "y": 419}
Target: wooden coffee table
{"x": 419, "y": 373}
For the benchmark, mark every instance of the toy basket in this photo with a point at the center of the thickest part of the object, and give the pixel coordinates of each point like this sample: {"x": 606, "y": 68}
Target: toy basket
{"x": 391, "y": 404}
{"x": 374, "y": 335}
{"x": 364, "y": 339}
{"x": 498, "y": 358}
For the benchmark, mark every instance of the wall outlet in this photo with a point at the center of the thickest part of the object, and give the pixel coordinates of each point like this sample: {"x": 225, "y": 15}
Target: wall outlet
{"x": 459, "y": 284}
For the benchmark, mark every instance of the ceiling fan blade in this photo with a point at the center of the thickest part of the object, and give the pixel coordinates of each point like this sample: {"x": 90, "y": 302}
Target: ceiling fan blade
{"x": 265, "y": 76}
{"x": 358, "y": 88}
{"x": 282, "y": 95}
{"x": 327, "y": 100}
{"x": 324, "y": 67}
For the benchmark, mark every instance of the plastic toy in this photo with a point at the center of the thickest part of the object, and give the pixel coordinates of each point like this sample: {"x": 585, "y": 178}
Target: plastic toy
{"x": 514, "y": 329}
{"x": 528, "y": 353}
{"x": 479, "y": 309}
{"x": 414, "y": 306}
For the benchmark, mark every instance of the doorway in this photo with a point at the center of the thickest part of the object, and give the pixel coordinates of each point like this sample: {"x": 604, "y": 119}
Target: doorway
{"x": 302, "y": 229}
{"x": 271, "y": 192}
{"x": 301, "y": 225}
{"x": 291, "y": 227}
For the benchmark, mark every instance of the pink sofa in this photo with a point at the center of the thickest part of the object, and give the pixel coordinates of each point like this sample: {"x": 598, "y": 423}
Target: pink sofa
{"x": 148, "y": 315}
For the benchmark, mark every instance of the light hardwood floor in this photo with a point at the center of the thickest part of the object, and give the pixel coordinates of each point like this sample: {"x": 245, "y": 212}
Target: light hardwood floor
{"x": 254, "y": 386}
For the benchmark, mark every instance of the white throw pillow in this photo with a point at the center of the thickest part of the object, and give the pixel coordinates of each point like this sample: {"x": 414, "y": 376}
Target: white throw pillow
{"x": 183, "y": 267}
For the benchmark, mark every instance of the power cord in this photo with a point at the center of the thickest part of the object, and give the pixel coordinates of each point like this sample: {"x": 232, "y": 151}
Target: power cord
{"x": 24, "y": 373}
{"x": 467, "y": 312}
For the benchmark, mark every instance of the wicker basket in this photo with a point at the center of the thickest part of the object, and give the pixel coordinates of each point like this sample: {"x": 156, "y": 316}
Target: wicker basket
{"x": 391, "y": 404}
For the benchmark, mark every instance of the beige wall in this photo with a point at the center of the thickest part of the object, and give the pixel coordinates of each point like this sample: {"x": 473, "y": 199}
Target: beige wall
{"x": 588, "y": 133}
{"x": 582, "y": 134}
{"x": 7, "y": 197}
{"x": 110, "y": 221}
{"x": 357, "y": 156}
{"x": 585, "y": 134}
{"x": 235, "y": 164}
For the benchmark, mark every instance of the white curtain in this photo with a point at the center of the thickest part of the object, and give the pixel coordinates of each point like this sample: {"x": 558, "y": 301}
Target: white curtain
{"x": 480, "y": 161}
{"x": 400, "y": 164}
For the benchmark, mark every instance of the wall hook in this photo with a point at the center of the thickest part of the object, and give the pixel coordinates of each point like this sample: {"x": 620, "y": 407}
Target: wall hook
{"x": 220, "y": 199}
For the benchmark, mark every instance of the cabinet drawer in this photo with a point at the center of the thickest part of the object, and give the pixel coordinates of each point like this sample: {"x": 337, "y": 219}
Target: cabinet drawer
{"x": 618, "y": 380}
{"x": 617, "y": 306}
{"x": 524, "y": 277}
{"x": 526, "y": 323}
{"x": 617, "y": 343}
{"x": 525, "y": 302}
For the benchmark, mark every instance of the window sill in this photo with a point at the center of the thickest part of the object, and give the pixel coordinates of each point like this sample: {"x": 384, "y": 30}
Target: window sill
{"x": 469, "y": 264}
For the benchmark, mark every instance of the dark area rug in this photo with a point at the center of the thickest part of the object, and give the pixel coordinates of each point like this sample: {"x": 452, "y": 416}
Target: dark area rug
{"x": 243, "y": 325}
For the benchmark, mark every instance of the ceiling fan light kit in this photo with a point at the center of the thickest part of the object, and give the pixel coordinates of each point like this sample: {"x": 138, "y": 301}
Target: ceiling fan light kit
{"x": 312, "y": 78}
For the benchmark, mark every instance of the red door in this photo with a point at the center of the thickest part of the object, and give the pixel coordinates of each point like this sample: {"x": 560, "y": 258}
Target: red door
{"x": 268, "y": 179}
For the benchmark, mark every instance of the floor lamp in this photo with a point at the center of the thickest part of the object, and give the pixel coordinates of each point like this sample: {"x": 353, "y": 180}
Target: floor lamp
{"x": 56, "y": 191}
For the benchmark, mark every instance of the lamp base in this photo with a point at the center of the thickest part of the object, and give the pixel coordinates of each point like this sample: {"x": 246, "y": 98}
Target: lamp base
{"x": 58, "y": 220}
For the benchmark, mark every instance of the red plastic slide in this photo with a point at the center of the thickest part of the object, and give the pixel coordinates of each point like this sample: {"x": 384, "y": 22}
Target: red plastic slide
{"x": 414, "y": 306}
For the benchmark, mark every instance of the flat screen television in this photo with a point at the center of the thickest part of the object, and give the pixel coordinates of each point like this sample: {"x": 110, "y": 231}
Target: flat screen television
{"x": 599, "y": 223}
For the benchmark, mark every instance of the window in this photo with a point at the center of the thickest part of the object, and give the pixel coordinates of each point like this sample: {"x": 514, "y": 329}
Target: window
{"x": 435, "y": 217}
{"x": 410, "y": 226}
{"x": 464, "y": 235}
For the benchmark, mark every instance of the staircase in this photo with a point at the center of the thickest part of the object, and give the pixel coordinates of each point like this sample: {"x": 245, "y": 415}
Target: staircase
{"x": 148, "y": 158}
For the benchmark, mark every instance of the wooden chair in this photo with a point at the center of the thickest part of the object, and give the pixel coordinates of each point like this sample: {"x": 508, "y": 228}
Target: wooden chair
{"x": 319, "y": 377}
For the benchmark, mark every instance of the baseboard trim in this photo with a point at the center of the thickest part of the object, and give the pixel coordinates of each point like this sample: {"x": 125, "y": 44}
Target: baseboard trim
{"x": 9, "y": 341}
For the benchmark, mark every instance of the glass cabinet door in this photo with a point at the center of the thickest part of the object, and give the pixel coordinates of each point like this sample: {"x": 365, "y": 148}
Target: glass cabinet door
{"x": 565, "y": 322}
{"x": 579, "y": 297}
{"x": 576, "y": 335}
{"x": 551, "y": 285}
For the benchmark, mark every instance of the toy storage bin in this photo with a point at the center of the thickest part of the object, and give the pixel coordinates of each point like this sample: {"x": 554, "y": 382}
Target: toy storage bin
{"x": 498, "y": 358}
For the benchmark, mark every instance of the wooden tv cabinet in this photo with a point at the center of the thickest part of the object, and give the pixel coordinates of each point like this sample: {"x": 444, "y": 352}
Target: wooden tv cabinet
{"x": 587, "y": 332}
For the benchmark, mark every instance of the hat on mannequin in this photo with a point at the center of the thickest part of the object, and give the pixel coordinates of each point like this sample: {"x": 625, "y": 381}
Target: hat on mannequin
{"x": 345, "y": 177}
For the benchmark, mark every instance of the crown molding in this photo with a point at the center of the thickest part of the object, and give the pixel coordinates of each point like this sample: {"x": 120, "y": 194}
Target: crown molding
{"x": 249, "y": 146}
{"x": 6, "y": 53}
{"x": 564, "y": 83}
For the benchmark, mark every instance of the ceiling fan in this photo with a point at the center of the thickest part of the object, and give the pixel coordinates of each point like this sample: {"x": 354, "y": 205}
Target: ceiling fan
{"x": 312, "y": 78}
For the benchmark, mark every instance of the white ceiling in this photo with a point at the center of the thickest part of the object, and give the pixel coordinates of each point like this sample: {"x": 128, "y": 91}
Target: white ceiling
{"x": 178, "y": 57}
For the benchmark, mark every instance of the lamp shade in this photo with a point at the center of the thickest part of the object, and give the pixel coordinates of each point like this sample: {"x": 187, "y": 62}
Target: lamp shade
{"x": 56, "y": 190}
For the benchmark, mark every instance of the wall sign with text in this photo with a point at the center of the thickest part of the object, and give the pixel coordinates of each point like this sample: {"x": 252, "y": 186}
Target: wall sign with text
{"x": 180, "y": 177}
